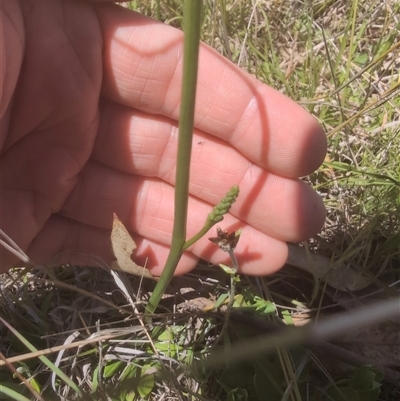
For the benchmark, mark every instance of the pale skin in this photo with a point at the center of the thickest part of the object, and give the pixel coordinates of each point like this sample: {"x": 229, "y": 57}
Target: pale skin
{"x": 90, "y": 96}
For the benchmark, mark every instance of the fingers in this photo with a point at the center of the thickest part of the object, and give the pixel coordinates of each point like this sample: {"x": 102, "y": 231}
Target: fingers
{"x": 146, "y": 207}
{"x": 142, "y": 69}
{"x": 12, "y": 43}
{"x": 247, "y": 134}
{"x": 54, "y": 115}
{"x": 61, "y": 78}
{"x": 137, "y": 143}
{"x": 64, "y": 240}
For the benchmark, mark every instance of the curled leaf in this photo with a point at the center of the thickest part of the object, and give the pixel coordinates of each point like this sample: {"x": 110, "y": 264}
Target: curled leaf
{"x": 122, "y": 245}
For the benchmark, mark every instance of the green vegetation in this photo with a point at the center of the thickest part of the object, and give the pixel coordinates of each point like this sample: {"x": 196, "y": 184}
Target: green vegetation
{"x": 341, "y": 61}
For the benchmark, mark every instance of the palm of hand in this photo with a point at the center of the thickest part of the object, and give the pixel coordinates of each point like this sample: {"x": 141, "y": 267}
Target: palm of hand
{"x": 89, "y": 110}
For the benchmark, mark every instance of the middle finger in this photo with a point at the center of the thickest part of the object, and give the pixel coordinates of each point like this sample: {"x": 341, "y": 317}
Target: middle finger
{"x": 138, "y": 143}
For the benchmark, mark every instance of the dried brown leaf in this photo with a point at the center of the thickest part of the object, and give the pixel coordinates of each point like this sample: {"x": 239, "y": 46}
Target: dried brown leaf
{"x": 122, "y": 245}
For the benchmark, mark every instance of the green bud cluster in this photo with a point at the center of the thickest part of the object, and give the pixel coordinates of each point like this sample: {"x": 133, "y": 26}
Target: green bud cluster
{"x": 224, "y": 206}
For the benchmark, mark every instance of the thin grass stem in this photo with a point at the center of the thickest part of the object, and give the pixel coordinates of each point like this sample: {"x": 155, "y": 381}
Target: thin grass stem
{"x": 192, "y": 21}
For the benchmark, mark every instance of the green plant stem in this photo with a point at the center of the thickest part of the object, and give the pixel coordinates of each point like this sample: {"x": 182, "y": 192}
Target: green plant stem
{"x": 197, "y": 236}
{"x": 232, "y": 291}
{"x": 192, "y": 24}
{"x": 235, "y": 268}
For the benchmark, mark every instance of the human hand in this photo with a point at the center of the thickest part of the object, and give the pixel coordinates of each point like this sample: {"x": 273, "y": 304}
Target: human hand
{"x": 90, "y": 102}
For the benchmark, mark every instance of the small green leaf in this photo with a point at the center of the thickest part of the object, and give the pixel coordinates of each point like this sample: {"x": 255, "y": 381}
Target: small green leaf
{"x": 227, "y": 269}
{"x": 221, "y": 299}
{"x": 166, "y": 343}
{"x": 111, "y": 368}
{"x": 130, "y": 396}
{"x": 35, "y": 384}
{"x": 239, "y": 301}
{"x": 287, "y": 317}
{"x": 370, "y": 395}
{"x": 263, "y": 306}
{"x": 129, "y": 372}
{"x": 362, "y": 379}
{"x": 146, "y": 385}
{"x": 361, "y": 58}
{"x": 95, "y": 383}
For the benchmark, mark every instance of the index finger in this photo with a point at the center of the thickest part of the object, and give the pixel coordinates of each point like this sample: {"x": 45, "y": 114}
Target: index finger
{"x": 142, "y": 69}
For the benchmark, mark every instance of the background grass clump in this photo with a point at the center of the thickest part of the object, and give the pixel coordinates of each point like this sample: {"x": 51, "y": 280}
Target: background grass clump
{"x": 341, "y": 61}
